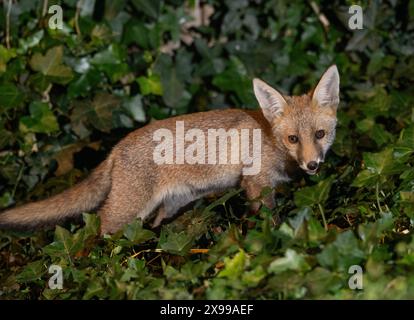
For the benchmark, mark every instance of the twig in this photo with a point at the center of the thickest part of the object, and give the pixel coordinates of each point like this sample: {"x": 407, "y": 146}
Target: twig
{"x": 147, "y": 250}
{"x": 8, "y": 24}
{"x": 19, "y": 177}
{"x": 45, "y": 94}
{"x": 377, "y": 196}
{"x": 192, "y": 251}
{"x": 322, "y": 18}
{"x": 195, "y": 251}
{"x": 45, "y": 5}
{"x": 323, "y": 217}
{"x": 349, "y": 221}
{"x": 153, "y": 259}
{"x": 78, "y": 8}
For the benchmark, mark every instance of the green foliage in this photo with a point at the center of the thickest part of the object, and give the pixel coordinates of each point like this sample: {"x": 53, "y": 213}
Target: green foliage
{"x": 41, "y": 119}
{"x": 67, "y": 96}
{"x": 50, "y": 65}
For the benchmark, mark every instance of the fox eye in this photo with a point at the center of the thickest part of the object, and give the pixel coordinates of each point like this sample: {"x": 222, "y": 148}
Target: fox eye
{"x": 319, "y": 134}
{"x": 293, "y": 139}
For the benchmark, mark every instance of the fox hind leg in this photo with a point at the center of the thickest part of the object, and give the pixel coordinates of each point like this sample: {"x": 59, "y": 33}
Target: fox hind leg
{"x": 123, "y": 205}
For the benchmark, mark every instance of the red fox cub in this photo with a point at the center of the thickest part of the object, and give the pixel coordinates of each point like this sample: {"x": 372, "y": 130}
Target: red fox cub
{"x": 160, "y": 168}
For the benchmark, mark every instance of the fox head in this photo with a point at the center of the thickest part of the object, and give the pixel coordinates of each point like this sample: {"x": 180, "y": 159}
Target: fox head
{"x": 303, "y": 125}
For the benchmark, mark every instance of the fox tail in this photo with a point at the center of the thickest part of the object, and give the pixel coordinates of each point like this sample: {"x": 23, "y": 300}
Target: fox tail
{"x": 85, "y": 196}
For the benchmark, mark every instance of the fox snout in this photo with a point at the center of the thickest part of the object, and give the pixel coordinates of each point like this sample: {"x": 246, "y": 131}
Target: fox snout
{"x": 311, "y": 167}
{"x": 310, "y": 155}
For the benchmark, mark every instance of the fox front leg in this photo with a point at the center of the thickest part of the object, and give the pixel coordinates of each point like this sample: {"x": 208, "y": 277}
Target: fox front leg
{"x": 172, "y": 205}
{"x": 253, "y": 189}
{"x": 160, "y": 217}
{"x": 169, "y": 208}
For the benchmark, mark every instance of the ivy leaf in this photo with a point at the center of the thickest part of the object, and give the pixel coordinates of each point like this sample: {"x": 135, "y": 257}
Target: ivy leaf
{"x": 150, "y": 7}
{"x": 135, "y": 232}
{"x": 65, "y": 244}
{"x": 83, "y": 85}
{"x": 29, "y": 42}
{"x": 80, "y": 118}
{"x": 51, "y": 65}
{"x": 94, "y": 289}
{"x": 381, "y": 163}
{"x": 405, "y": 143}
{"x": 134, "y": 107}
{"x": 111, "y": 62}
{"x": 150, "y": 85}
{"x": 365, "y": 178}
{"x": 92, "y": 224}
{"x": 377, "y": 165}
{"x": 234, "y": 79}
{"x": 253, "y": 277}
{"x": 173, "y": 88}
{"x": 103, "y": 104}
{"x": 33, "y": 271}
{"x": 313, "y": 195}
{"x": 373, "y": 231}
{"x": 41, "y": 119}
{"x": 173, "y": 76}
{"x": 234, "y": 267}
{"x": 97, "y": 114}
{"x": 64, "y": 237}
{"x": 319, "y": 279}
{"x": 379, "y": 104}
{"x": 10, "y": 96}
{"x": 341, "y": 253}
{"x": 6, "y": 199}
{"x": 291, "y": 261}
{"x": 176, "y": 243}
{"x": 5, "y": 56}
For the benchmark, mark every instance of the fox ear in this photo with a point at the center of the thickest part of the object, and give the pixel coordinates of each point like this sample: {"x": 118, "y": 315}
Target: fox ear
{"x": 326, "y": 92}
{"x": 270, "y": 100}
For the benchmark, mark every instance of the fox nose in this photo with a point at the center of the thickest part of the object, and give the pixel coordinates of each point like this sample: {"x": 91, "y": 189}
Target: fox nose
{"x": 313, "y": 165}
